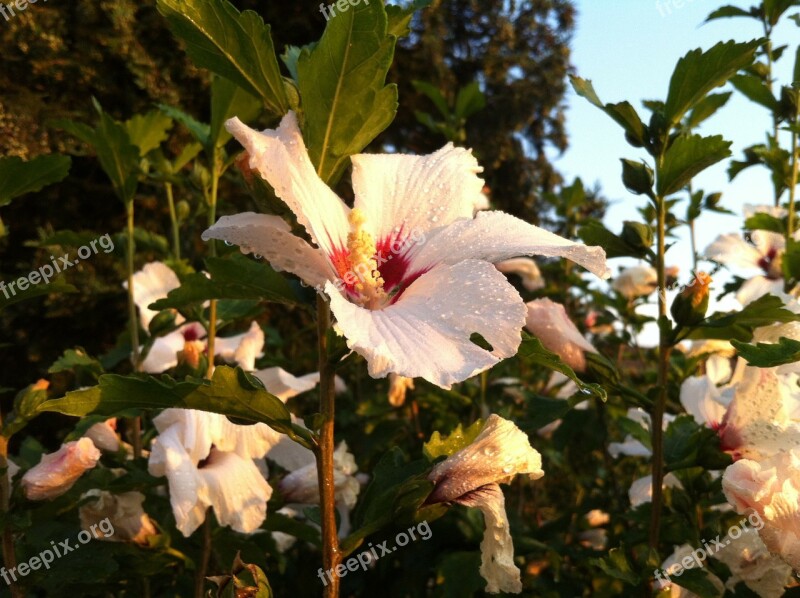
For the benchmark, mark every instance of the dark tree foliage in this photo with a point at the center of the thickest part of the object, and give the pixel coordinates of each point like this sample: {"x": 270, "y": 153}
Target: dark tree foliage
{"x": 519, "y": 53}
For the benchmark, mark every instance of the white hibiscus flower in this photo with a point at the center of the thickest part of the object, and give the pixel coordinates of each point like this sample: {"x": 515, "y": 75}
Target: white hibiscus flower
{"x": 409, "y": 270}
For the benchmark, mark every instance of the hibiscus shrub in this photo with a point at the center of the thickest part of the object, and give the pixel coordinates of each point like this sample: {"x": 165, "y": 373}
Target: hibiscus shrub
{"x": 386, "y": 394}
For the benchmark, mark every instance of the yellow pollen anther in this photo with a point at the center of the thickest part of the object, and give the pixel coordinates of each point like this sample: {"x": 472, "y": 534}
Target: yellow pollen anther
{"x": 361, "y": 250}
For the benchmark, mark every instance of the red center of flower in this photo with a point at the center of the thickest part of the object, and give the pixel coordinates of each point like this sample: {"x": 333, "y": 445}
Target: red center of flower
{"x": 768, "y": 263}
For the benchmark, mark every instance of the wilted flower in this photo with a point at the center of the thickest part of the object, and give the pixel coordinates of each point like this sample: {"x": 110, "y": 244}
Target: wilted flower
{"x": 470, "y": 477}
{"x": 636, "y": 281}
{"x": 410, "y": 260}
{"x": 526, "y": 269}
{"x": 549, "y": 322}
{"x": 57, "y": 472}
{"x": 125, "y": 513}
{"x": 398, "y": 386}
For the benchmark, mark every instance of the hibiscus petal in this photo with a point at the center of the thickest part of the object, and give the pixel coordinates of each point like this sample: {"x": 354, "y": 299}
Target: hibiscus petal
{"x": 272, "y": 238}
{"x": 187, "y": 496}
{"x": 238, "y": 491}
{"x": 426, "y": 333}
{"x": 497, "y": 547}
{"x": 757, "y": 287}
{"x": 548, "y": 320}
{"x": 497, "y": 236}
{"x": 280, "y": 157}
{"x": 151, "y": 283}
{"x": 732, "y": 250}
{"x": 244, "y": 349}
{"x": 399, "y": 194}
{"x": 284, "y": 385}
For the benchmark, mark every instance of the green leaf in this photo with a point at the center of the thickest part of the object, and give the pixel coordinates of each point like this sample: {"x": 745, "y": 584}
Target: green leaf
{"x": 617, "y": 565}
{"x": 230, "y": 392}
{"x": 699, "y": 72}
{"x": 534, "y": 352}
{"x": 755, "y": 90}
{"x": 594, "y": 233}
{"x": 235, "y": 277}
{"x": 200, "y": 131}
{"x": 686, "y": 157}
{"x": 739, "y": 325}
{"x": 434, "y": 95}
{"x": 768, "y": 355}
{"x": 697, "y": 581}
{"x": 623, "y": 113}
{"x": 342, "y": 83}
{"x": 470, "y": 99}
{"x": 762, "y": 221}
{"x": 18, "y": 177}
{"x": 236, "y": 46}
{"x": 229, "y": 100}
{"x": 11, "y": 296}
{"x": 399, "y": 17}
{"x": 148, "y": 131}
{"x": 452, "y": 443}
{"x": 726, "y": 12}
{"x": 706, "y": 108}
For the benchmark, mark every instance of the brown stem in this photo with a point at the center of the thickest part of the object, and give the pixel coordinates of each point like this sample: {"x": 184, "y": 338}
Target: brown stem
{"x": 331, "y": 554}
{"x": 664, "y": 349}
{"x": 205, "y": 558}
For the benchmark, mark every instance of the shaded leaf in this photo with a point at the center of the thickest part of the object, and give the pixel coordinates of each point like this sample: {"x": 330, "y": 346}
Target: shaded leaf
{"x": 686, "y": 157}
{"x": 18, "y": 177}
{"x": 767, "y": 355}
{"x": 236, "y": 46}
{"x": 342, "y": 82}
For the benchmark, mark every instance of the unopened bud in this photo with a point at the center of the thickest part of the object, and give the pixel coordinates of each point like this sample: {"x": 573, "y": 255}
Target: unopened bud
{"x": 691, "y": 304}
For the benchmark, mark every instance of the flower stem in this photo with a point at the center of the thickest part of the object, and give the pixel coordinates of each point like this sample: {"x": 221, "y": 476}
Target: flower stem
{"x": 173, "y": 216}
{"x": 135, "y": 424}
{"x": 200, "y": 579}
{"x": 331, "y": 554}
{"x": 211, "y": 201}
{"x": 664, "y": 349}
{"x": 790, "y": 229}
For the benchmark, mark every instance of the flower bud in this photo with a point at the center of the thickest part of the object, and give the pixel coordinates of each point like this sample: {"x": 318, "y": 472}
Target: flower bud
{"x": 57, "y": 472}
{"x": 690, "y": 306}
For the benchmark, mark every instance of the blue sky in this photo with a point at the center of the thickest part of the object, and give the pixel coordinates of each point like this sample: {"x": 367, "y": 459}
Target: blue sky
{"x": 628, "y": 49}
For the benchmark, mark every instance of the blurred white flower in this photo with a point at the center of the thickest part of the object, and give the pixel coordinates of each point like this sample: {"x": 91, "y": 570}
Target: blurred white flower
{"x": 104, "y": 435}
{"x": 751, "y": 562}
{"x": 302, "y": 487}
{"x": 549, "y": 322}
{"x": 641, "y": 490}
{"x": 764, "y": 254}
{"x": 526, "y": 269}
{"x": 153, "y": 282}
{"x": 409, "y": 262}
{"x": 57, "y": 472}
{"x": 636, "y": 281}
